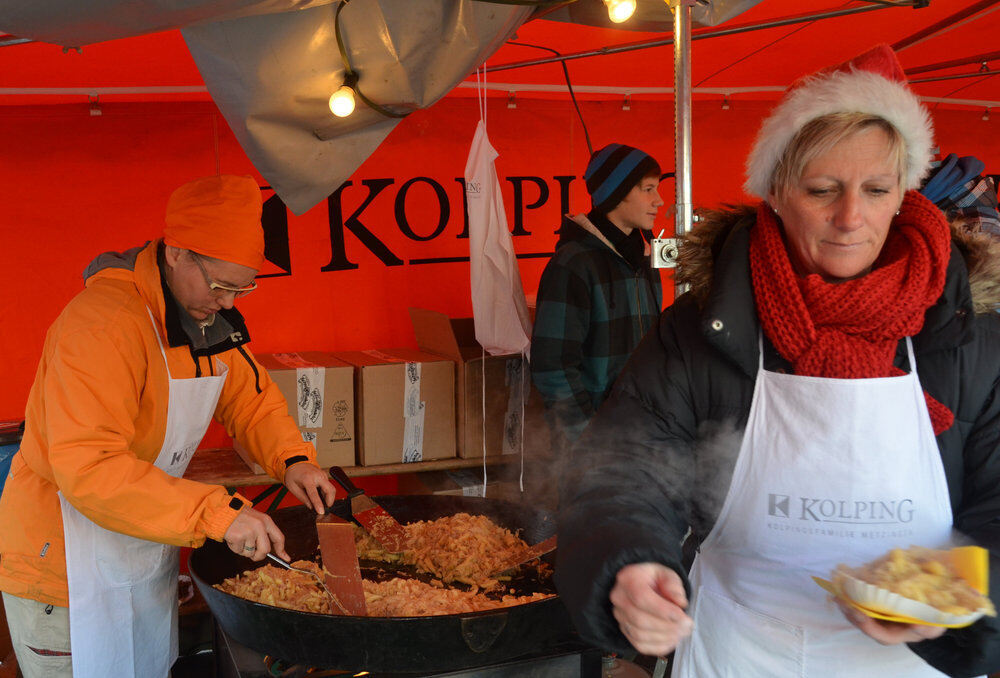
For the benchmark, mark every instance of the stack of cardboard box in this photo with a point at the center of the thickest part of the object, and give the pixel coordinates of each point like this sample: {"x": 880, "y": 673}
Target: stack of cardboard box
{"x": 392, "y": 406}
{"x": 406, "y": 405}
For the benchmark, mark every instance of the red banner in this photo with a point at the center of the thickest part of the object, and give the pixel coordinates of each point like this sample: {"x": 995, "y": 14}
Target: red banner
{"x": 392, "y": 237}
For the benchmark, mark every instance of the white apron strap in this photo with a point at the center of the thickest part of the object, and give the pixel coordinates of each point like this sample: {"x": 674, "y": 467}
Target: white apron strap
{"x": 159, "y": 341}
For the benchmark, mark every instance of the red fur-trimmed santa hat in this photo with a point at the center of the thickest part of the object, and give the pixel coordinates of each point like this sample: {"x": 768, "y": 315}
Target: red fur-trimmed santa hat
{"x": 872, "y": 83}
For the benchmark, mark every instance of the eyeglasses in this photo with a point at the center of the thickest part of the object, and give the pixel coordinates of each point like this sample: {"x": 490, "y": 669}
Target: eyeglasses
{"x": 218, "y": 289}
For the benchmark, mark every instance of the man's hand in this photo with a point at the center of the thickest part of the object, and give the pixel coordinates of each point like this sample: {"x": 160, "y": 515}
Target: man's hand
{"x": 307, "y": 481}
{"x": 887, "y": 632}
{"x": 253, "y": 534}
{"x": 648, "y": 600}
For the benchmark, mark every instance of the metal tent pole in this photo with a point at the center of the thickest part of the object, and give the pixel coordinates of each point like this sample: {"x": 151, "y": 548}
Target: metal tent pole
{"x": 682, "y": 120}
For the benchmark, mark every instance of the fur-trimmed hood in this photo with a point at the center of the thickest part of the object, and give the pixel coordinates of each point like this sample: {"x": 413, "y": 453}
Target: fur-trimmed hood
{"x": 700, "y": 248}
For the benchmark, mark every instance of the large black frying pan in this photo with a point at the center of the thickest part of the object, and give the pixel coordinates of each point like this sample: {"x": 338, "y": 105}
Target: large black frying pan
{"x": 389, "y": 644}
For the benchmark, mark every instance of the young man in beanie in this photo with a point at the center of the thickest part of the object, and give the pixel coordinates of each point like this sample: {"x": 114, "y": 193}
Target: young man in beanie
{"x": 133, "y": 370}
{"x": 597, "y": 296}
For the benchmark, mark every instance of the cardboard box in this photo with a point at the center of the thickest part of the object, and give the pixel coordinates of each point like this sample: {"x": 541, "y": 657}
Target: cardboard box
{"x": 506, "y": 377}
{"x": 405, "y": 404}
{"x": 319, "y": 390}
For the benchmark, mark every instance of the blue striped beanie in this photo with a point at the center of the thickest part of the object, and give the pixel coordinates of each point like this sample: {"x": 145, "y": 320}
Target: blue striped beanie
{"x": 613, "y": 171}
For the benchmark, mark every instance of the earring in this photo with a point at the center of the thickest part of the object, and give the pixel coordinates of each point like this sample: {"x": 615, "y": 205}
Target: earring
{"x": 897, "y": 212}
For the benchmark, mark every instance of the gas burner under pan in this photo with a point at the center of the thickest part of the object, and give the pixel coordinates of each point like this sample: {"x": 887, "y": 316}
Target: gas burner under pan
{"x": 233, "y": 660}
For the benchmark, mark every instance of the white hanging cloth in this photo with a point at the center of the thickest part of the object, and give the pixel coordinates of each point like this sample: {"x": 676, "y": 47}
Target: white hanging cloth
{"x": 499, "y": 308}
{"x": 498, "y": 303}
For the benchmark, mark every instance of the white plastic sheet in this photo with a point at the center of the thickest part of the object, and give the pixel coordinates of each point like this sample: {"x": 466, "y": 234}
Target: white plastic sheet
{"x": 74, "y": 23}
{"x": 271, "y": 77}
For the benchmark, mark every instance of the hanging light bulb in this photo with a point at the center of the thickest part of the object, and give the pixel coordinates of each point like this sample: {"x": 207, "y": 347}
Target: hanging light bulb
{"x": 986, "y": 114}
{"x": 620, "y": 10}
{"x": 342, "y": 101}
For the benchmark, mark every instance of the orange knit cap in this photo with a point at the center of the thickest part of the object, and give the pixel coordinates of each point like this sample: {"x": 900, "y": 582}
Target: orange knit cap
{"x": 218, "y": 217}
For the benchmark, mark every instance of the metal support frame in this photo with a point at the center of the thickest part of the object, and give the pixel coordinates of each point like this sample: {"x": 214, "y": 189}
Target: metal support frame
{"x": 682, "y": 114}
{"x": 945, "y": 24}
{"x": 964, "y": 61}
{"x": 959, "y": 76}
{"x": 701, "y": 34}
{"x": 8, "y": 40}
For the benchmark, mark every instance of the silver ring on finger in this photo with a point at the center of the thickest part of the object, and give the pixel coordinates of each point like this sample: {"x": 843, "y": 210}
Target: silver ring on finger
{"x": 249, "y": 549}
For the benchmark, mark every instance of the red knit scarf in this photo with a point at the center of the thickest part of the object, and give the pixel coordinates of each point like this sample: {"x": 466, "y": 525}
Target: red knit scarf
{"x": 850, "y": 329}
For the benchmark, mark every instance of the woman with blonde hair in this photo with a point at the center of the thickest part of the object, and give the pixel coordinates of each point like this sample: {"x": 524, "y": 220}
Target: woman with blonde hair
{"x": 825, "y": 392}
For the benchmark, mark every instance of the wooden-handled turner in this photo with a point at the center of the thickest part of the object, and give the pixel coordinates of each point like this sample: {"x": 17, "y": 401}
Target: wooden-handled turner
{"x": 375, "y": 519}
{"x": 340, "y": 558}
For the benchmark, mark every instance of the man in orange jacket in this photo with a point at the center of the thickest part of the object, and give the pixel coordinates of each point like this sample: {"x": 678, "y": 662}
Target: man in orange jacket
{"x": 133, "y": 370}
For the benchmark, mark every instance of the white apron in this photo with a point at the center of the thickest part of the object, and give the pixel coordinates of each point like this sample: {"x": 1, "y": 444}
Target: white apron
{"x": 830, "y": 471}
{"x": 123, "y": 590}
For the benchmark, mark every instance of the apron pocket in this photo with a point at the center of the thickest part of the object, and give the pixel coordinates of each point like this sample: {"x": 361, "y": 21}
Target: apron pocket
{"x": 131, "y": 560}
{"x": 733, "y": 641}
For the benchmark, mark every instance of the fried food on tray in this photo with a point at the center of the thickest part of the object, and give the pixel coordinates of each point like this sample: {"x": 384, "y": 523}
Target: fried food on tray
{"x": 393, "y": 598}
{"x": 921, "y": 574}
{"x": 461, "y": 547}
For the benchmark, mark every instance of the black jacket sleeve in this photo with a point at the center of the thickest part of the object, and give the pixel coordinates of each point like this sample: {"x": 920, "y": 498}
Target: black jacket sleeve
{"x": 975, "y": 488}
{"x": 625, "y": 497}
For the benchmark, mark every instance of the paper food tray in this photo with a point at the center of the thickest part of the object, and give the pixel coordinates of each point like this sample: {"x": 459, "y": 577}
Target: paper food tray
{"x": 971, "y": 563}
{"x": 871, "y": 597}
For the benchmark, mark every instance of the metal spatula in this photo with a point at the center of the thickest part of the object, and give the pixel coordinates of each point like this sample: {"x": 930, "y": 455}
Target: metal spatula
{"x": 375, "y": 519}
{"x": 530, "y": 553}
{"x": 319, "y": 580}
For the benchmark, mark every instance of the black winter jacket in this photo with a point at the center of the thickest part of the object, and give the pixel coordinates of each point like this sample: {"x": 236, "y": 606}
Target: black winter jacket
{"x": 658, "y": 457}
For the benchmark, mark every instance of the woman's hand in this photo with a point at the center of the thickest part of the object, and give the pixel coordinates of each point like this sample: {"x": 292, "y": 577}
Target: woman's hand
{"x": 307, "y": 481}
{"x": 887, "y": 632}
{"x": 253, "y": 534}
{"x": 648, "y": 600}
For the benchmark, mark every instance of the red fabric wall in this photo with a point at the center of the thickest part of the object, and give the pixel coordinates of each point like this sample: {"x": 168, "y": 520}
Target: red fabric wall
{"x": 76, "y": 185}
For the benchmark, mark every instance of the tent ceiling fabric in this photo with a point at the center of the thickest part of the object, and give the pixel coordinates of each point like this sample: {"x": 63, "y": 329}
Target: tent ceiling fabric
{"x": 271, "y": 77}
{"x": 771, "y": 57}
{"x": 650, "y": 15}
{"x": 74, "y": 22}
